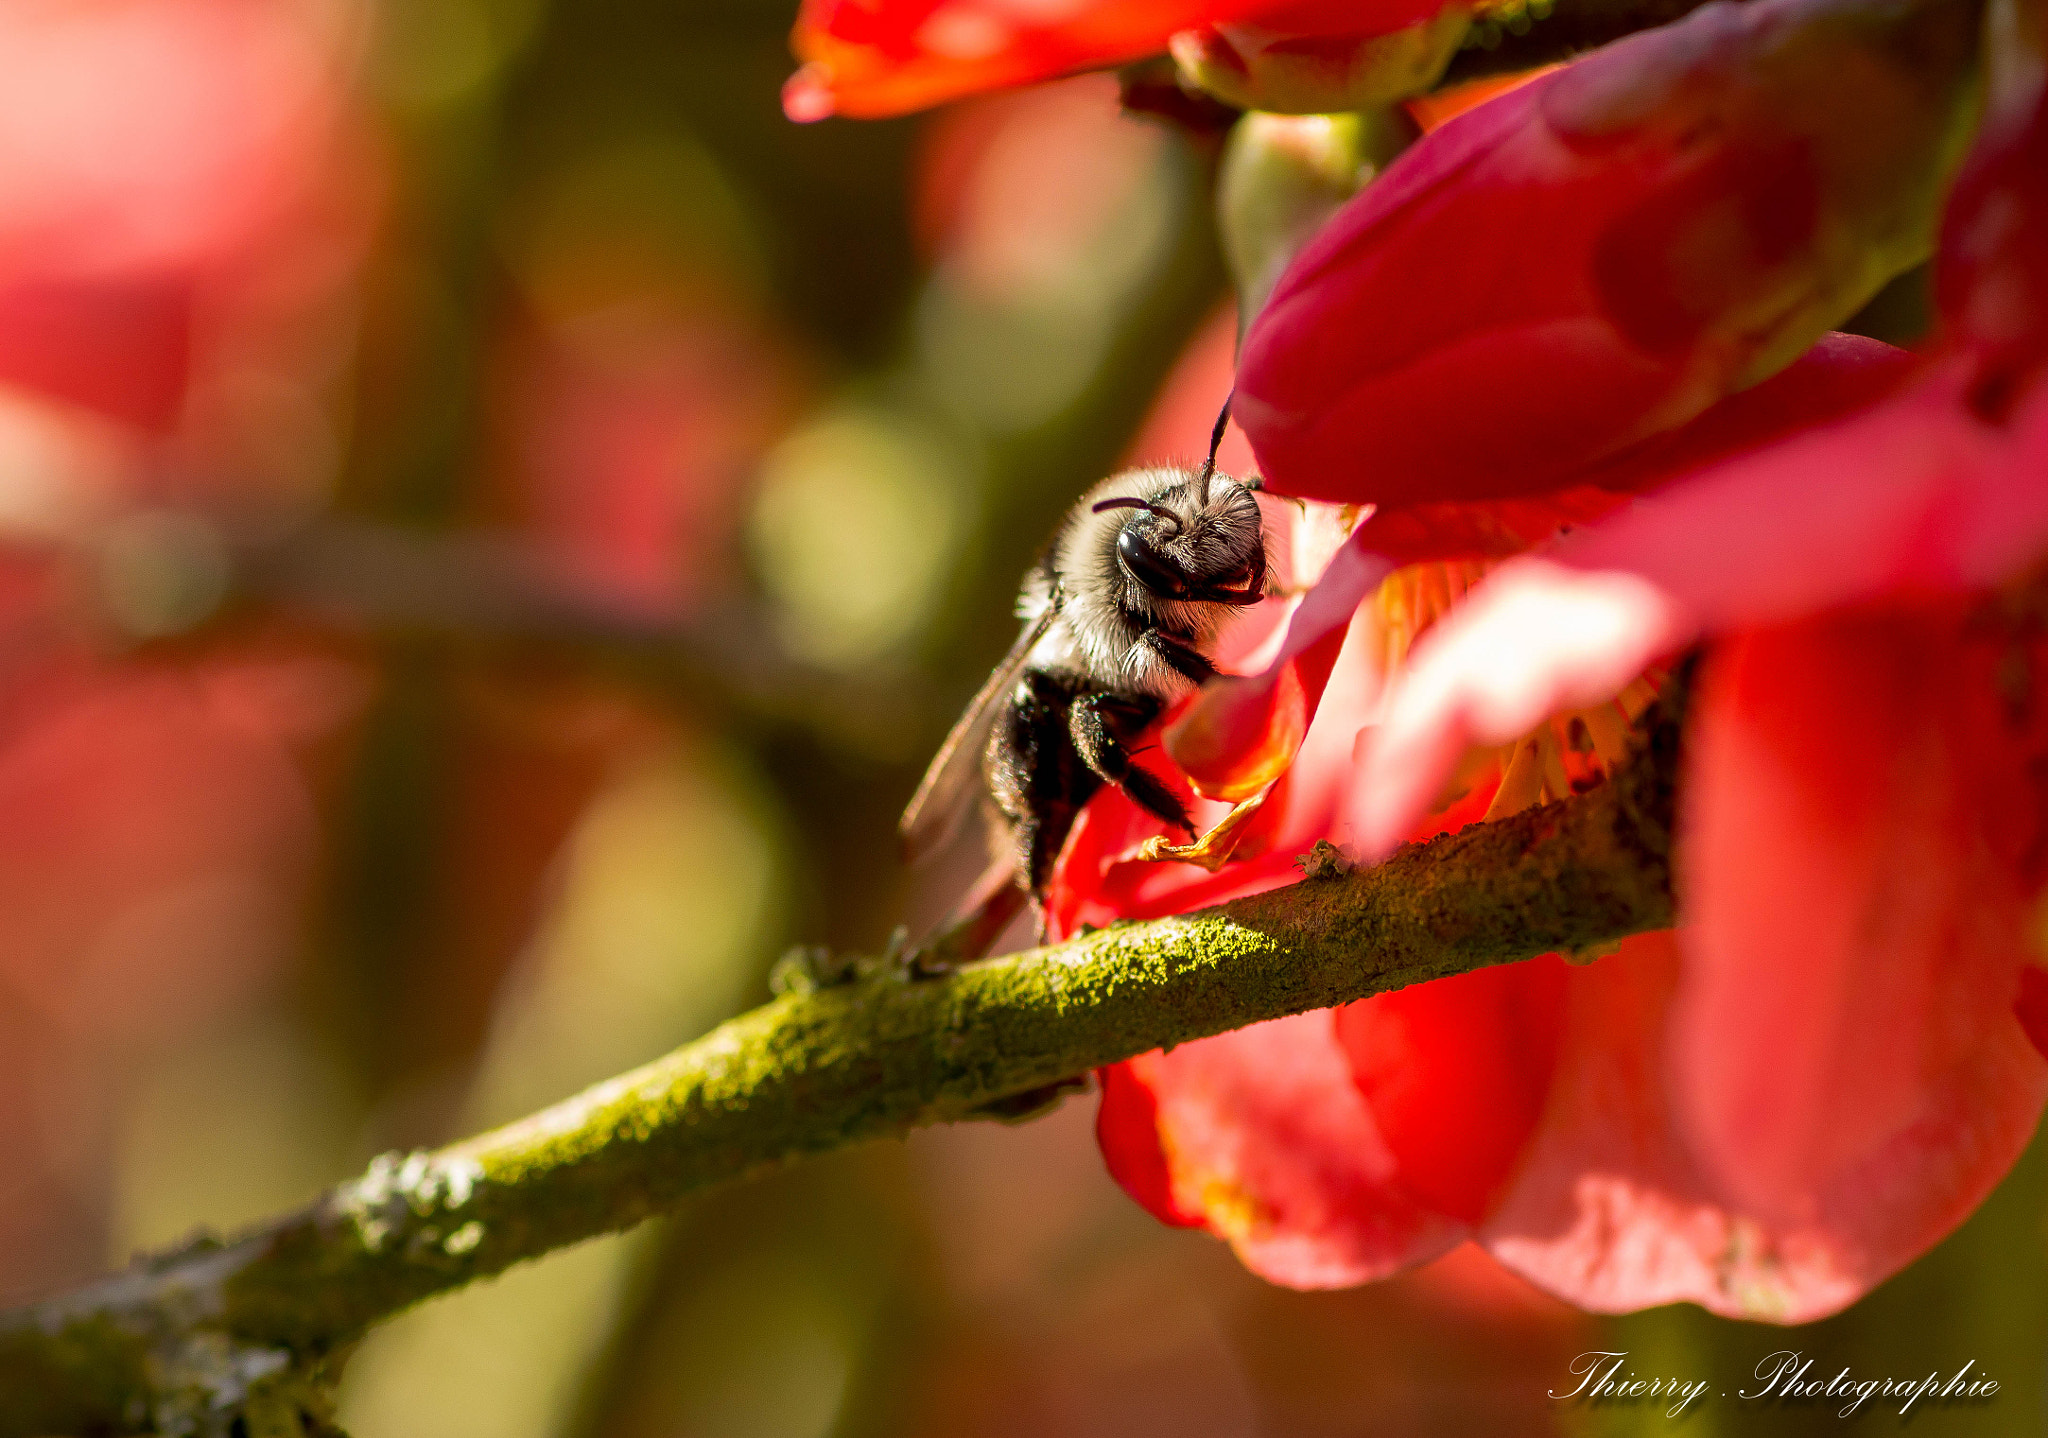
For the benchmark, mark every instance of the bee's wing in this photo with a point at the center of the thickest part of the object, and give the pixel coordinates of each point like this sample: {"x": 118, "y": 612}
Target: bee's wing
{"x": 954, "y": 777}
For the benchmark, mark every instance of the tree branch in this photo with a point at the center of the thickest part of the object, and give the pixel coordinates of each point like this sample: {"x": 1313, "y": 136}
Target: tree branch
{"x": 187, "y": 1341}
{"x": 481, "y": 588}
{"x": 1524, "y": 35}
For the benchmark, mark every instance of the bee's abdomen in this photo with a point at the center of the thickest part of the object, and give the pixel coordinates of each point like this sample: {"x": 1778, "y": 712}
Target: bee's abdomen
{"x": 1037, "y": 780}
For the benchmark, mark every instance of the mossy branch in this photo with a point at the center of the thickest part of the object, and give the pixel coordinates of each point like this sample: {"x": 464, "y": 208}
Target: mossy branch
{"x": 191, "y": 1340}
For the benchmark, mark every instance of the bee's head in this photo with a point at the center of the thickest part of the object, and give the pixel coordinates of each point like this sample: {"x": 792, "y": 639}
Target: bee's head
{"x": 1191, "y": 537}
{"x": 1193, "y": 541}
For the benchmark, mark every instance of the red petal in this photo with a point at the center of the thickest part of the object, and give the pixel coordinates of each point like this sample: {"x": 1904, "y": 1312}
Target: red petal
{"x": 1263, "y": 1135}
{"x": 1492, "y": 530}
{"x": 886, "y": 57}
{"x": 1862, "y": 851}
{"x": 1127, "y": 1130}
{"x": 1915, "y": 494}
{"x": 1865, "y": 841}
{"x": 1840, "y": 376}
{"x": 1455, "y": 1073}
{"x": 2032, "y": 1007}
{"x": 1609, "y": 1212}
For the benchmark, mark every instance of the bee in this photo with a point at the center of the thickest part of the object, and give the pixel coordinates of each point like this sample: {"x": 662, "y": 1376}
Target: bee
{"x": 1119, "y": 613}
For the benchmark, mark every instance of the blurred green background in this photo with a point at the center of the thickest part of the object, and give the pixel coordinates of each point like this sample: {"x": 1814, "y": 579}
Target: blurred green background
{"x": 677, "y": 465}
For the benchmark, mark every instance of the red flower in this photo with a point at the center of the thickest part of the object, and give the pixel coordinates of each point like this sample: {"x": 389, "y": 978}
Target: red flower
{"x": 1601, "y": 254}
{"x": 885, "y": 57}
{"x": 1889, "y": 861}
{"x": 1824, "y": 1071}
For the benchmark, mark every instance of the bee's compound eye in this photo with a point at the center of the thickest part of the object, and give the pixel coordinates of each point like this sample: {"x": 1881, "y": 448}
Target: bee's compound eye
{"x": 1148, "y": 566}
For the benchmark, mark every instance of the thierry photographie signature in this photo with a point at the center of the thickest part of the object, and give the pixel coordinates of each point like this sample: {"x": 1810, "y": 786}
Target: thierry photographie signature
{"x": 1605, "y": 1376}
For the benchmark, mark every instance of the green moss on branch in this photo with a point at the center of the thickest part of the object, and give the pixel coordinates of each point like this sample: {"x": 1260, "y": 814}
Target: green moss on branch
{"x": 194, "y": 1337}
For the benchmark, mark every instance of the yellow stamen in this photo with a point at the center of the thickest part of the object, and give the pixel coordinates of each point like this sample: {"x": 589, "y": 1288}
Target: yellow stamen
{"x": 1522, "y": 785}
{"x": 1550, "y": 749}
{"x": 1413, "y": 598}
{"x": 1607, "y": 726}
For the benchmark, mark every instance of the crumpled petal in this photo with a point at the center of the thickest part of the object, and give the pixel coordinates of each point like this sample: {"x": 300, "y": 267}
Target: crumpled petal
{"x": 1875, "y": 877}
{"x": 1534, "y": 639}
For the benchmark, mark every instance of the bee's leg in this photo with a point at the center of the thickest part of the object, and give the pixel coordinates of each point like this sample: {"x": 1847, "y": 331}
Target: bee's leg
{"x": 1214, "y": 849}
{"x": 1190, "y": 663}
{"x": 1093, "y": 722}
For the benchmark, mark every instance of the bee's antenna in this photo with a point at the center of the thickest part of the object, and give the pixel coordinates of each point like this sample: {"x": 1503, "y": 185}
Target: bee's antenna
{"x": 1134, "y": 503}
{"x": 1215, "y": 443}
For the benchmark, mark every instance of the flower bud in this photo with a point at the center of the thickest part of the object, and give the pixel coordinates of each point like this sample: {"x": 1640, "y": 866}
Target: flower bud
{"x": 1598, "y": 256}
{"x": 1283, "y": 176}
{"x": 1267, "y": 64}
